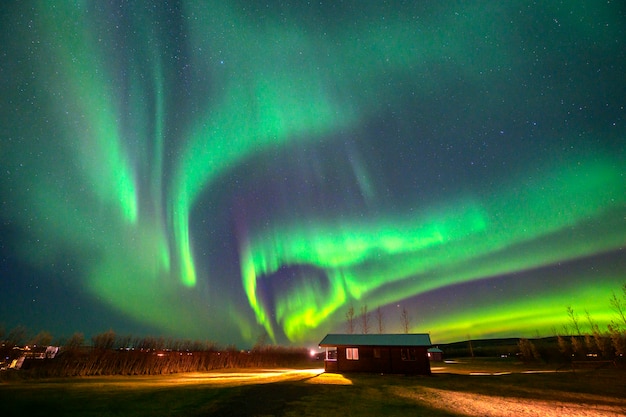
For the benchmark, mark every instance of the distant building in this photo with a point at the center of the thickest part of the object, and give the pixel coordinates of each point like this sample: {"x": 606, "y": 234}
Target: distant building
{"x": 40, "y": 352}
{"x": 29, "y": 353}
{"x": 435, "y": 354}
{"x": 381, "y": 353}
{"x": 51, "y": 352}
{"x": 17, "y": 363}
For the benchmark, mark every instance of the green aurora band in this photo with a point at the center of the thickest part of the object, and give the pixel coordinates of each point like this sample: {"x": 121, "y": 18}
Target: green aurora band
{"x": 119, "y": 169}
{"x": 465, "y": 242}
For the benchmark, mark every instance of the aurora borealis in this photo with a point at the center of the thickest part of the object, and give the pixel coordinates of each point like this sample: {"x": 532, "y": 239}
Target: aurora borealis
{"x": 228, "y": 169}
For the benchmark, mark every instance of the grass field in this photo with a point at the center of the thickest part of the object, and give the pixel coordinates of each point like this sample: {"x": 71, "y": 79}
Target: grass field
{"x": 466, "y": 387}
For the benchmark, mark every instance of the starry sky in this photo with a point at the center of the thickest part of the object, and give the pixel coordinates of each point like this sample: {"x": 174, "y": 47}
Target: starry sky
{"x": 233, "y": 170}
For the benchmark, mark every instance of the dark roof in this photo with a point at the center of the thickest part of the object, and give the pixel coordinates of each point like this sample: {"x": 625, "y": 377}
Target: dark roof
{"x": 403, "y": 339}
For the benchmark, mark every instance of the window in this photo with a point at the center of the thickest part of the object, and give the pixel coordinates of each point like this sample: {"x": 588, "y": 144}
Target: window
{"x": 376, "y": 353}
{"x": 352, "y": 354}
{"x": 408, "y": 354}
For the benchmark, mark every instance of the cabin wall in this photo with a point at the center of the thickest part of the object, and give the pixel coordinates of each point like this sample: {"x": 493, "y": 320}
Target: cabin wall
{"x": 413, "y": 362}
{"x": 383, "y": 360}
{"x": 367, "y": 362}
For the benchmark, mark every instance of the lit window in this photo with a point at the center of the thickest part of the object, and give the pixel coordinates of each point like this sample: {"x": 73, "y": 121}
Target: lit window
{"x": 352, "y": 354}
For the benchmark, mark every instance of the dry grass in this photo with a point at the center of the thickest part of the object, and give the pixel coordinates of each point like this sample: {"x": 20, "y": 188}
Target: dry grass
{"x": 478, "y": 388}
{"x": 472, "y": 404}
{"x": 468, "y": 388}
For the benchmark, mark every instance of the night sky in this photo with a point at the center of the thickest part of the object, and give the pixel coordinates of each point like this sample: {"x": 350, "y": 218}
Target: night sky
{"x": 227, "y": 169}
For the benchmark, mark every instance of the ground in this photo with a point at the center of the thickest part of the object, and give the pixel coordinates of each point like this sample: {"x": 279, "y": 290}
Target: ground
{"x": 463, "y": 388}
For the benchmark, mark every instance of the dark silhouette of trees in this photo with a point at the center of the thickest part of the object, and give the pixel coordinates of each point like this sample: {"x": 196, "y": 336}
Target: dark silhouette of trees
{"x": 350, "y": 320}
{"x": 380, "y": 321}
{"x": 112, "y": 355}
{"x": 573, "y": 317}
{"x": 596, "y": 343}
{"x": 75, "y": 341}
{"x": 104, "y": 340}
{"x": 528, "y": 351}
{"x": 17, "y": 336}
{"x": 365, "y": 320}
{"x": 405, "y": 320}
{"x": 42, "y": 338}
{"x": 617, "y": 327}
{"x": 618, "y": 305}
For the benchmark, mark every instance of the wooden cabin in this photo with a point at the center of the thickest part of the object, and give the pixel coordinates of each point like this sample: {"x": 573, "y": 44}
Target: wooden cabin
{"x": 405, "y": 353}
{"x": 435, "y": 354}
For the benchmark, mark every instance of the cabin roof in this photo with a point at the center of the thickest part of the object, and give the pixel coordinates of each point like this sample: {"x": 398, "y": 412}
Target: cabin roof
{"x": 402, "y": 339}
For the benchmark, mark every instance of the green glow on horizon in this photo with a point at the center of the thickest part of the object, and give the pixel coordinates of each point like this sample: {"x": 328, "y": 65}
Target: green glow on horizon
{"x": 527, "y": 316}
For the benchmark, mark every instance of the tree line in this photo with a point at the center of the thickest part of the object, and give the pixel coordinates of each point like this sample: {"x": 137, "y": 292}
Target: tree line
{"x": 110, "y": 354}
{"x": 605, "y": 343}
{"x": 585, "y": 339}
{"x": 363, "y": 321}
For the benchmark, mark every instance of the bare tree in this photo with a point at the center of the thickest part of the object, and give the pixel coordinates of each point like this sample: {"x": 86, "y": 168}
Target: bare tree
{"x": 350, "y": 320}
{"x": 564, "y": 346}
{"x": 105, "y": 340}
{"x": 261, "y": 342}
{"x": 124, "y": 341}
{"x": 528, "y": 350}
{"x": 365, "y": 320}
{"x": 619, "y": 306}
{"x": 380, "y": 321}
{"x": 42, "y": 338}
{"x": 617, "y": 339}
{"x": 405, "y": 319}
{"x": 573, "y": 318}
{"x": 616, "y": 329}
{"x": 75, "y": 341}
{"x": 17, "y": 336}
